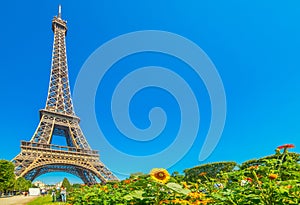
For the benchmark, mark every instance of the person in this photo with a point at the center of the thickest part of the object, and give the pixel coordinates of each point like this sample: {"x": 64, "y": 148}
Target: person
{"x": 63, "y": 193}
{"x": 43, "y": 192}
{"x": 53, "y": 194}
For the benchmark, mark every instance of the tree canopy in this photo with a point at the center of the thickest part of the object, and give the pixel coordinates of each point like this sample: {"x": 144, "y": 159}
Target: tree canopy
{"x": 22, "y": 184}
{"x": 7, "y": 176}
{"x": 66, "y": 184}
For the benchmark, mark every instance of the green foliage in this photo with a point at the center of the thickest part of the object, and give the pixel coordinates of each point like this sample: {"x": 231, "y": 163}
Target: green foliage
{"x": 178, "y": 188}
{"x": 136, "y": 174}
{"x": 76, "y": 186}
{"x": 22, "y": 184}
{"x": 208, "y": 170}
{"x": 254, "y": 162}
{"x": 66, "y": 184}
{"x": 272, "y": 180}
{"x": 7, "y": 176}
{"x": 141, "y": 190}
{"x": 177, "y": 177}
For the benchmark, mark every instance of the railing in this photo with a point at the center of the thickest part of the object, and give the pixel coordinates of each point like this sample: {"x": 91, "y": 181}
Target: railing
{"x": 50, "y": 147}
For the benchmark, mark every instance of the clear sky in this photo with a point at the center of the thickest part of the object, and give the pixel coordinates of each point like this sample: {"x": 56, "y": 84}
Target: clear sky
{"x": 254, "y": 46}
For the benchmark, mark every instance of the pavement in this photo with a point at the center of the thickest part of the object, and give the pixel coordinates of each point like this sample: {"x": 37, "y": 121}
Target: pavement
{"x": 16, "y": 200}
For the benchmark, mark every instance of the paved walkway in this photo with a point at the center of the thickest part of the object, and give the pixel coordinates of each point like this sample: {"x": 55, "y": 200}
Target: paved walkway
{"x": 16, "y": 200}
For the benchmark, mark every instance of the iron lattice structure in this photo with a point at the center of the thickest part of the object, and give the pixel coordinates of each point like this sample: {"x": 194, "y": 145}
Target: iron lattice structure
{"x": 39, "y": 156}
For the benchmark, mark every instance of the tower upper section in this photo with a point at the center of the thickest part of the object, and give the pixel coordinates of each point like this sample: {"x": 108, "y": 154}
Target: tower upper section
{"x": 59, "y": 95}
{"x": 58, "y": 23}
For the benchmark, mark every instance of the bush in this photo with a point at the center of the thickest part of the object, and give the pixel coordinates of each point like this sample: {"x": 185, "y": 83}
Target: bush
{"x": 208, "y": 170}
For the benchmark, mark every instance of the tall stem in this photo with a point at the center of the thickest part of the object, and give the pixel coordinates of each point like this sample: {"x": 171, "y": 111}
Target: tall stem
{"x": 157, "y": 194}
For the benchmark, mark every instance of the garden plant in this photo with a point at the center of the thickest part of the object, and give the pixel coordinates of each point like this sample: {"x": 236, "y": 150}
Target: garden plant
{"x": 272, "y": 180}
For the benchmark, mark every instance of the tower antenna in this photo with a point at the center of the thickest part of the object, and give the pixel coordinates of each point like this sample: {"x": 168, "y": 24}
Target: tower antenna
{"x": 59, "y": 11}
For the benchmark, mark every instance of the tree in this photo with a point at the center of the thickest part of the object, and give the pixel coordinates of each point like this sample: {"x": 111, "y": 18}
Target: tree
{"x": 76, "y": 186}
{"x": 22, "y": 184}
{"x": 7, "y": 176}
{"x": 66, "y": 184}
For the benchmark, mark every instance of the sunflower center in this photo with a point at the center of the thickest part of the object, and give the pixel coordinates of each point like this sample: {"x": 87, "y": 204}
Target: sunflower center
{"x": 160, "y": 175}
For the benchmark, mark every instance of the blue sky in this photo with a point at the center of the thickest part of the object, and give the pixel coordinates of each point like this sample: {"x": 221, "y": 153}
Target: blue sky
{"x": 254, "y": 46}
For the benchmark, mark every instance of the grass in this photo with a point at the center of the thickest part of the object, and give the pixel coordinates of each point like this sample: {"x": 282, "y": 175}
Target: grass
{"x": 45, "y": 200}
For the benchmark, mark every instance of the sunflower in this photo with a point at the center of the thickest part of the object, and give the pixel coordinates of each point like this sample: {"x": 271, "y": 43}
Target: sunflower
{"x": 286, "y": 146}
{"x": 160, "y": 175}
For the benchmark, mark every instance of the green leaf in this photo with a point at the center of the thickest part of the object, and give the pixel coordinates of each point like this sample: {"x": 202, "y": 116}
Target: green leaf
{"x": 135, "y": 194}
{"x": 128, "y": 197}
{"x": 178, "y": 188}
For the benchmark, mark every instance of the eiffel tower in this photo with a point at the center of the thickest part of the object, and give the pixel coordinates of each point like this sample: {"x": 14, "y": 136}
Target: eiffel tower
{"x": 39, "y": 155}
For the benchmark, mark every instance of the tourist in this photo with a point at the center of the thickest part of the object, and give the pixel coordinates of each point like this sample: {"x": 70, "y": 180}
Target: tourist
{"x": 63, "y": 193}
{"x": 53, "y": 194}
{"x": 43, "y": 192}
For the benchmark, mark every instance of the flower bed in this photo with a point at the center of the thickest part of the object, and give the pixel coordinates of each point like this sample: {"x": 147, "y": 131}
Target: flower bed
{"x": 270, "y": 180}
